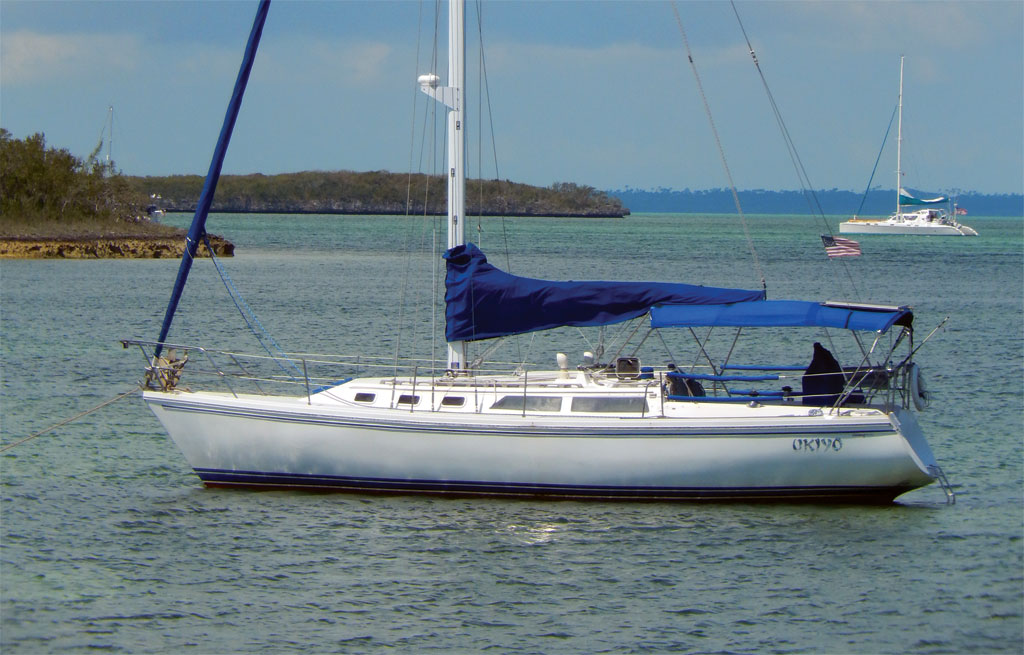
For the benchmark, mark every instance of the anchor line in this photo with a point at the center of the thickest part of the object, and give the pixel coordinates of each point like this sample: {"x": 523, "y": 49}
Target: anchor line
{"x": 69, "y": 420}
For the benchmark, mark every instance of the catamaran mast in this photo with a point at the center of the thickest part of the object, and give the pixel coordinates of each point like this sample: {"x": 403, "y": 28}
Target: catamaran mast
{"x": 899, "y": 145}
{"x": 453, "y": 97}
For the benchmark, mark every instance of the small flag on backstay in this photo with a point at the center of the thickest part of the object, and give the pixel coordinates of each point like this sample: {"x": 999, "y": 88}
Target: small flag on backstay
{"x": 840, "y": 247}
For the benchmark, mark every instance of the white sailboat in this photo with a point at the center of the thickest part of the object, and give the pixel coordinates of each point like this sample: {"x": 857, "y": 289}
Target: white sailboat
{"x": 612, "y": 428}
{"x": 913, "y": 215}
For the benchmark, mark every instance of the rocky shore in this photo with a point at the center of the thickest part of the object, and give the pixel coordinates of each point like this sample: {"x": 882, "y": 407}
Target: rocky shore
{"x": 137, "y": 247}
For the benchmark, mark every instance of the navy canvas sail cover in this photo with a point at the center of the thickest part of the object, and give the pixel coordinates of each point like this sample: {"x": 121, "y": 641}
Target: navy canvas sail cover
{"x": 484, "y": 302}
{"x": 782, "y": 313}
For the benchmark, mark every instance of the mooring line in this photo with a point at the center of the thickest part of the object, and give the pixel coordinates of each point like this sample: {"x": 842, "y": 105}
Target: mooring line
{"x": 69, "y": 420}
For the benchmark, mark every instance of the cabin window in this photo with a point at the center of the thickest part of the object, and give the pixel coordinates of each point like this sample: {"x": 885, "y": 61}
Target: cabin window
{"x": 612, "y": 404}
{"x": 408, "y": 399}
{"x": 529, "y": 403}
{"x": 453, "y": 401}
{"x": 365, "y": 397}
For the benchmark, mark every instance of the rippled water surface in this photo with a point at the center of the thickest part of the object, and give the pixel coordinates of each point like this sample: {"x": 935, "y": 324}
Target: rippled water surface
{"x": 109, "y": 543}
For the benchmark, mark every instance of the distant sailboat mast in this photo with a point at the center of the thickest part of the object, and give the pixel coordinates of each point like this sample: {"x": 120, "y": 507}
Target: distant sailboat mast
{"x": 106, "y": 136}
{"x": 899, "y": 145}
{"x": 110, "y": 134}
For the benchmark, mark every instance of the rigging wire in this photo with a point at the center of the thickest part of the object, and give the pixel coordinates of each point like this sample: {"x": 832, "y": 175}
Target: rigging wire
{"x": 721, "y": 150}
{"x": 480, "y": 82}
{"x": 407, "y": 274}
{"x": 485, "y": 92}
{"x": 877, "y": 159}
{"x": 438, "y": 238}
{"x": 427, "y": 243}
{"x": 486, "y": 88}
{"x": 249, "y": 316}
{"x": 801, "y": 172}
{"x": 430, "y": 118}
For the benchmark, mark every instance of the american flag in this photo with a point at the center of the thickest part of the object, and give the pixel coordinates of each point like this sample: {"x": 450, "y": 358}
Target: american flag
{"x": 840, "y": 247}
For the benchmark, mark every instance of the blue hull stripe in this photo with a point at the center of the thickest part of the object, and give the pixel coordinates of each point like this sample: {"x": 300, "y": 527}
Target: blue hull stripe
{"x": 220, "y": 478}
{"x": 678, "y": 429}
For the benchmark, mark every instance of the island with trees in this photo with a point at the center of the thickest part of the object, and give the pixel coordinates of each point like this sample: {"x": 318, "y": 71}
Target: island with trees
{"x": 377, "y": 193}
{"x": 54, "y": 204}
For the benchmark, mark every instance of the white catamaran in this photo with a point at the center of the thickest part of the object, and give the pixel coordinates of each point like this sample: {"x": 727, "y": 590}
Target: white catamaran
{"x": 926, "y": 216}
{"x": 612, "y": 428}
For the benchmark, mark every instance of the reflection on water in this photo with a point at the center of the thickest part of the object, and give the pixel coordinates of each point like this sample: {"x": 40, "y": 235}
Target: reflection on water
{"x": 538, "y": 533}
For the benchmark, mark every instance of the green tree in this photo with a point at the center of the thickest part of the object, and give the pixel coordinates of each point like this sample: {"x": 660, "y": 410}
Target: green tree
{"x": 51, "y": 184}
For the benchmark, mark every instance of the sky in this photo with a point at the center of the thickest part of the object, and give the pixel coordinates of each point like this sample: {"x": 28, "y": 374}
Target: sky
{"x": 594, "y": 93}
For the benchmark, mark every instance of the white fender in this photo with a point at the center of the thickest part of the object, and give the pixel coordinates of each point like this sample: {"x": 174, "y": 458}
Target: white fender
{"x": 918, "y": 392}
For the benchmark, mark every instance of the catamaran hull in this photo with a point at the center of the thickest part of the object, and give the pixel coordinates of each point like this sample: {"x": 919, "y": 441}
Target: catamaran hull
{"x": 294, "y": 445}
{"x": 882, "y": 228}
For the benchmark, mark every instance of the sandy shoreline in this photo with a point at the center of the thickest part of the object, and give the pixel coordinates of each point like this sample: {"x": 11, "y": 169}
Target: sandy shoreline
{"x": 129, "y": 247}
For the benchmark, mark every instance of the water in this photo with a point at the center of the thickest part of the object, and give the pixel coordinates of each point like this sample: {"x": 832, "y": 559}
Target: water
{"x": 110, "y": 544}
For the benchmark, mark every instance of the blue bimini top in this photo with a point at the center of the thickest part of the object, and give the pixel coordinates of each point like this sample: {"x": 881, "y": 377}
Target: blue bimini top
{"x": 783, "y": 313}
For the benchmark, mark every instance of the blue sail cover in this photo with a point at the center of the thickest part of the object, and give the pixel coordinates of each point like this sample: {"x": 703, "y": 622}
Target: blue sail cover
{"x": 484, "y": 302}
{"x": 782, "y": 313}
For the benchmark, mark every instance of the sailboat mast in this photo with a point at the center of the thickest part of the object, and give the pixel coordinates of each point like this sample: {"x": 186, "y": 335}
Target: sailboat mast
{"x": 452, "y": 97}
{"x": 899, "y": 145}
{"x": 456, "y": 148}
{"x": 456, "y": 133}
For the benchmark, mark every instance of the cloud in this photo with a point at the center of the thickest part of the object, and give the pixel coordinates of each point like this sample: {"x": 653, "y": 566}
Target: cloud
{"x": 324, "y": 61}
{"x": 29, "y": 57}
{"x": 363, "y": 62}
{"x": 957, "y": 25}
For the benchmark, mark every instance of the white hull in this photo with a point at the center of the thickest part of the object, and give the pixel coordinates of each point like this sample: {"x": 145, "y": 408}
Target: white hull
{"x": 768, "y": 452}
{"x": 886, "y": 227}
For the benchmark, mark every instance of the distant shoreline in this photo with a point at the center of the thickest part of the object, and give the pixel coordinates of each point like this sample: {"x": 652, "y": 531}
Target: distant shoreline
{"x": 329, "y": 212}
{"x": 373, "y": 193}
{"x": 397, "y": 194}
